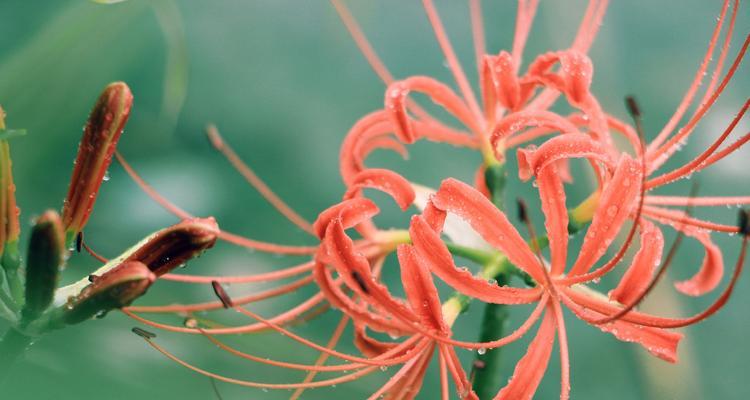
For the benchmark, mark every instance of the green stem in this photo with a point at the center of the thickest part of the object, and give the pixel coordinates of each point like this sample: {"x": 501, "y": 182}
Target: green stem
{"x": 12, "y": 348}
{"x": 486, "y": 369}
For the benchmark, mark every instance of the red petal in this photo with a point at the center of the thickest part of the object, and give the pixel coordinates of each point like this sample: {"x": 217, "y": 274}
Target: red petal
{"x": 712, "y": 269}
{"x": 386, "y": 181}
{"x": 531, "y": 368}
{"x": 638, "y": 275}
{"x": 351, "y": 212}
{"x": 492, "y": 224}
{"x": 420, "y": 289}
{"x": 572, "y": 145}
{"x": 552, "y": 194}
{"x": 616, "y": 201}
{"x": 435, "y": 254}
{"x": 659, "y": 342}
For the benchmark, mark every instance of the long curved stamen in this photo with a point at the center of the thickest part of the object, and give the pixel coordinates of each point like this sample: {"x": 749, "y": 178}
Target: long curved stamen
{"x": 280, "y": 319}
{"x": 698, "y": 201}
{"x": 659, "y": 272}
{"x": 698, "y": 162}
{"x": 215, "y": 305}
{"x": 263, "y": 277}
{"x": 252, "y": 178}
{"x": 690, "y": 94}
{"x": 332, "y": 342}
{"x": 224, "y": 235}
{"x": 564, "y": 355}
{"x": 678, "y": 217}
{"x": 260, "y": 385}
{"x": 524, "y": 19}
{"x": 93, "y": 253}
{"x": 370, "y": 55}
{"x": 660, "y": 155}
{"x": 477, "y": 31}
{"x": 669, "y": 323}
{"x": 450, "y": 56}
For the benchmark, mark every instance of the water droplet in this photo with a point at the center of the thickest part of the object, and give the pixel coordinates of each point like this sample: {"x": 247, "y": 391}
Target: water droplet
{"x": 481, "y": 351}
{"x": 105, "y": 178}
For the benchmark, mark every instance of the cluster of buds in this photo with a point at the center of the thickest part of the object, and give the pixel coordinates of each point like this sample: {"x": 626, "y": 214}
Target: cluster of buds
{"x": 31, "y": 299}
{"x": 467, "y": 221}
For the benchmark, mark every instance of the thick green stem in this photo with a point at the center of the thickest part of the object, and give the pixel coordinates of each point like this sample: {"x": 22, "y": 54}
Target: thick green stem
{"x": 12, "y": 347}
{"x": 486, "y": 367}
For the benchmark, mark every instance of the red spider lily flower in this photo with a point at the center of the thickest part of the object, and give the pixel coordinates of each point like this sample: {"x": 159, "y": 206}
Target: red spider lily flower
{"x": 100, "y": 136}
{"x": 502, "y": 89}
{"x": 467, "y": 203}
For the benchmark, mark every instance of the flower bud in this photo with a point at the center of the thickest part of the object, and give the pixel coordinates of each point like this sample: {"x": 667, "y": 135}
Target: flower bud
{"x": 174, "y": 246}
{"x": 9, "y": 226}
{"x": 45, "y": 257}
{"x": 116, "y": 288}
{"x": 100, "y": 136}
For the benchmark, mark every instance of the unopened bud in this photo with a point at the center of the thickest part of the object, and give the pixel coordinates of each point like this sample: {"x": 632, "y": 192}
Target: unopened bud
{"x": 115, "y": 289}
{"x": 171, "y": 247}
{"x": 45, "y": 257}
{"x": 100, "y": 136}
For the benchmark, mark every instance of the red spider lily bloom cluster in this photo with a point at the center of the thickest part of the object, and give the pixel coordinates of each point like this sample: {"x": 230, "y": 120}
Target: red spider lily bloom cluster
{"x": 513, "y": 110}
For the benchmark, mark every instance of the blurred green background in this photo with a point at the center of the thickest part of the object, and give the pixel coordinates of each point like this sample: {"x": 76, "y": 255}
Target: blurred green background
{"x": 283, "y": 81}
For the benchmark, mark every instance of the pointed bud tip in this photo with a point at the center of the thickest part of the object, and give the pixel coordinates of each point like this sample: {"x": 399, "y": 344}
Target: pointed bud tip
{"x": 101, "y": 133}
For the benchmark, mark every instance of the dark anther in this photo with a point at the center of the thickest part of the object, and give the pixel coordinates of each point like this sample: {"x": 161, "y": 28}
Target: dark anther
{"x": 226, "y": 301}
{"x": 521, "y": 209}
{"x": 743, "y": 222}
{"x": 143, "y": 333}
{"x": 360, "y": 281}
{"x": 92, "y": 278}
{"x": 632, "y": 105}
{"x": 79, "y": 242}
{"x": 478, "y": 364}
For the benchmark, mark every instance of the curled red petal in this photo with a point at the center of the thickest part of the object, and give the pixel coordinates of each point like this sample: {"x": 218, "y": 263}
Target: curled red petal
{"x": 638, "y": 276}
{"x": 574, "y": 145}
{"x": 386, "y": 181}
{"x": 711, "y": 271}
{"x": 351, "y": 212}
{"x": 395, "y": 104}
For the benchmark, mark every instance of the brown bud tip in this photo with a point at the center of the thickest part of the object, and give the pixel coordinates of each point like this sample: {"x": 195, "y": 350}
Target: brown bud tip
{"x": 174, "y": 246}
{"x": 633, "y": 109}
{"x": 45, "y": 257}
{"x": 226, "y": 301}
{"x": 743, "y": 222}
{"x": 116, "y": 288}
{"x": 100, "y": 136}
